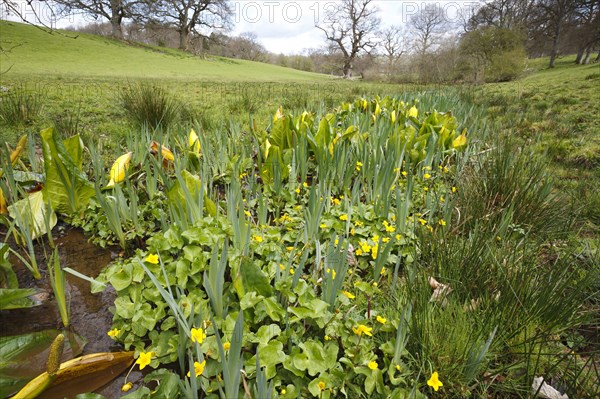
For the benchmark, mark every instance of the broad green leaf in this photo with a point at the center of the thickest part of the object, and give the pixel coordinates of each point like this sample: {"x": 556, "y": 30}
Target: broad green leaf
{"x": 316, "y": 358}
{"x": 177, "y": 195}
{"x": 254, "y": 279}
{"x": 74, "y": 146}
{"x": 123, "y": 278}
{"x": 168, "y": 386}
{"x": 17, "y": 298}
{"x": 67, "y": 187}
{"x": 325, "y": 133}
{"x": 270, "y": 355}
{"x": 31, "y": 211}
{"x": 273, "y": 166}
{"x": 282, "y": 134}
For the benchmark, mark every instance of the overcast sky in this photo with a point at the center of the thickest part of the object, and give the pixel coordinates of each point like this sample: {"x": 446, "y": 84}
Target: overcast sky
{"x": 281, "y": 26}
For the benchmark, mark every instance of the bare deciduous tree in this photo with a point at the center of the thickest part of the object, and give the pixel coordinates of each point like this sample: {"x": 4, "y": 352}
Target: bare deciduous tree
{"x": 187, "y": 16}
{"x": 350, "y": 29}
{"x": 115, "y": 11}
{"x": 393, "y": 43}
{"x": 427, "y": 26}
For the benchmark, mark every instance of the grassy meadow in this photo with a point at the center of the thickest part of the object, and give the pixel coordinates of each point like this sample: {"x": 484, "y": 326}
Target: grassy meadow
{"x": 330, "y": 238}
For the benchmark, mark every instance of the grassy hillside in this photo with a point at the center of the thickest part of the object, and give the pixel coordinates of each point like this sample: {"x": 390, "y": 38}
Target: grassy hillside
{"x": 73, "y": 55}
{"x": 556, "y": 110}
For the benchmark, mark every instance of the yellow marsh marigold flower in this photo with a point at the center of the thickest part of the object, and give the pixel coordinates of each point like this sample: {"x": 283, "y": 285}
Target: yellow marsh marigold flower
{"x": 321, "y": 385}
{"x": 327, "y": 338}
{"x": 198, "y": 368}
{"x": 152, "y": 258}
{"x": 362, "y": 329}
{"x": 198, "y": 335}
{"x": 332, "y": 272}
{"x": 144, "y": 359}
{"x": 365, "y": 247}
{"x": 257, "y": 238}
{"x": 427, "y": 176}
{"x": 335, "y": 201}
{"x": 374, "y": 251}
{"x": 344, "y": 217}
{"x": 381, "y": 320}
{"x": 442, "y": 222}
{"x": 422, "y": 221}
{"x": 283, "y": 391}
{"x": 127, "y": 387}
{"x": 373, "y": 365}
{"x": 226, "y": 346}
{"x": 114, "y": 332}
{"x": 297, "y": 191}
{"x": 292, "y": 271}
{"x": 305, "y": 184}
{"x": 247, "y": 213}
{"x": 358, "y": 223}
{"x": 349, "y": 295}
{"x": 281, "y": 267}
{"x": 358, "y": 165}
{"x": 434, "y": 381}
{"x": 322, "y": 226}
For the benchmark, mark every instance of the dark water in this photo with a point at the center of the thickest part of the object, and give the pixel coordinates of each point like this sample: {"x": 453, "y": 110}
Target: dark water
{"x": 91, "y": 317}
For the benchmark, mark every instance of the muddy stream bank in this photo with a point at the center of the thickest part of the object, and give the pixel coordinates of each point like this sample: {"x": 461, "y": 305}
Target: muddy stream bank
{"x": 91, "y": 317}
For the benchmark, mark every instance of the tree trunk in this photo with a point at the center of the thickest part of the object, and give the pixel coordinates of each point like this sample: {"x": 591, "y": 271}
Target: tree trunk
{"x": 555, "y": 44}
{"x": 347, "y": 69}
{"x": 588, "y": 55}
{"x": 117, "y": 30}
{"x": 598, "y": 57}
{"x": 116, "y": 17}
{"x": 184, "y": 39}
{"x": 580, "y": 53}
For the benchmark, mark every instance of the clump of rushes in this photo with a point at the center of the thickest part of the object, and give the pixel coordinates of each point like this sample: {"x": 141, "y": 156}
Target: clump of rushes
{"x": 19, "y": 108}
{"x": 150, "y": 105}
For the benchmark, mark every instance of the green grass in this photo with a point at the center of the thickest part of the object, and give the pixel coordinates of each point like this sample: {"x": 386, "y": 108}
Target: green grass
{"x": 555, "y": 111}
{"x": 71, "y": 55}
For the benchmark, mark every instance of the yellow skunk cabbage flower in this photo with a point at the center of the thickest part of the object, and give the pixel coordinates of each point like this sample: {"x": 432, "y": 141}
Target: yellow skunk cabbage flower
{"x": 3, "y": 208}
{"x": 14, "y": 156}
{"x": 413, "y": 112}
{"x": 194, "y": 141}
{"x": 164, "y": 151}
{"x": 267, "y": 147}
{"x": 117, "y": 172}
{"x": 278, "y": 115}
{"x": 460, "y": 141}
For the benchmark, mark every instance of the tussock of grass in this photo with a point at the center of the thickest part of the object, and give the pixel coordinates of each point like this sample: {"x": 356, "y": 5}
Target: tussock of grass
{"x": 19, "y": 107}
{"x": 150, "y": 105}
